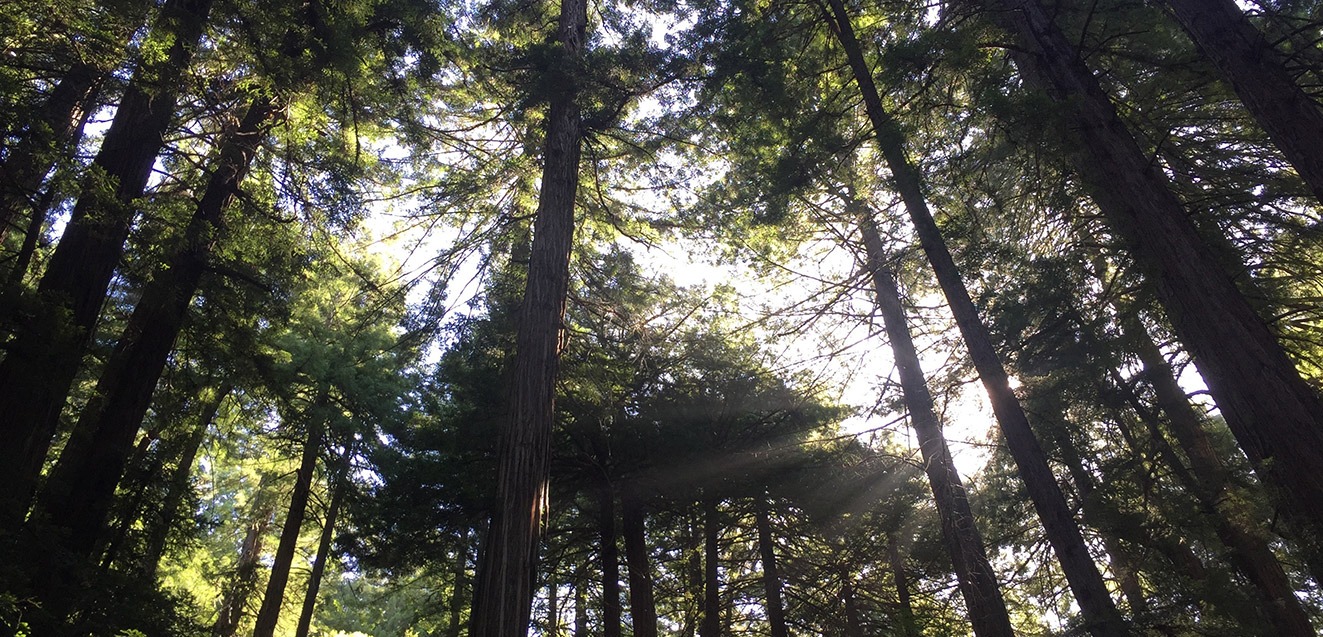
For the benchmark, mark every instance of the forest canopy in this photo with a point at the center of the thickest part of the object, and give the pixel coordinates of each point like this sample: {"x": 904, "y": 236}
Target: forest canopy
{"x": 681, "y": 318}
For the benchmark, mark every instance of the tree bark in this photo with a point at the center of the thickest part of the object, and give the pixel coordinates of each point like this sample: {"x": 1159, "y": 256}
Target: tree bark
{"x": 338, "y": 489}
{"x": 642, "y": 605}
{"x": 776, "y": 613}
{"x": 610, "y": 555}
{"x": 47, "y": 347}
{"x": 281, "y": 564}
{"x": 1101, "y": 617}
{"x": 978, "y": 582}
{"x": 908, "y": 626}
{"x": 1257, "y": 72}
{"x": 244, "y": 582}
{"x": 459, "y": 573}
{"x": 158, "y": 533}
{"x": 853, "y": 625}
{"x": 711, "y": 623}
{"x": 81, "y": 488}
{"x": 1275, "y": 415}
{"x": 504, "y": 597}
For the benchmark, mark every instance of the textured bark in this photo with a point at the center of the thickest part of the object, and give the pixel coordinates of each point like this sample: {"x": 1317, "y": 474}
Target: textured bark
{"x": 244, "y": 582}
{"x": 274, "y": 599}
{"x": 459, "y": 575}
{"x": 642, "y": 605}
{"x": 908, "y": 626}
{"x": 978, "y": 583}
{"x": 158, "y": 533}
{"x": 504, "y": 597}
{"x": 81, "y": 488}
{"x": 47, "y": 347}
{"x": 853, "y": 626}
{"x": 1208, "y": 480}
{"x": 610, "y": 555}
{"x": 1258, "y": 74}
{"x": 1101, "y": 618}
{"x": 776, "y": 613}
{"x": 1275, "y": 415}
{"x": 323, "y": 551}
{"x": 711, "y": 623}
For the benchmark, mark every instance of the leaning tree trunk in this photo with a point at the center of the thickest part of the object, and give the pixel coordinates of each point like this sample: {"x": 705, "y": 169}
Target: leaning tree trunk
{"x": 978, "y": 582}
{"x": 47, "y": 347}
{"x": 338, "y": 488}
{"x": 507, "y": 568}
{"x": 610, "y": 556}
{"x": 1275, "y": 415}
{"x": 158, "y": 531}
{"x": 1258, "y": 74}
{"x": 1101, "y": 617}
{"x": 642, "y": 605}
{"x": 81, "y": 488}
{"x": 776, "y": 613}
{"x": 269, "y": 615}
{"x": 711, "y": 623}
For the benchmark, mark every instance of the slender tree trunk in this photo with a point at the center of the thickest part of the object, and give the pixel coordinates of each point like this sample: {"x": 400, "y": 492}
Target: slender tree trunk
{"x": 693, "y": 573}
{"x": 81, "y": 488}
{"x": 1257, "y": 72}
{"x": 853, "y": 625}
{"x": 908, "y": 626}
{"x": 158, "y": 533}
{"x": 323, "y": 549}
{"x": 642, "y": 605}
{"x": 581, "y": 601}
{"x": 711, "y": 623}
{"x": 1275, "y": 415}
{"x": 978, "y": 583}
{"x": 776, "y": 614}
{"x": 47, "y": 348}
{"x": 129, "y": 509}
{"x": 610, "y": 554}
{"x": 274, "y": 598}
{"x": 506, "y": 573}
{"x": 459, "y": 573}
{"x": 244, "y": 582}
{"x": 553, "y": 609}
{"x": 1101, "y": 617}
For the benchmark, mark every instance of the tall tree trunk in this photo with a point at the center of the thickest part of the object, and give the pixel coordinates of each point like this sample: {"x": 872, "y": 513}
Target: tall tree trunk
{"x": 1101, "y": 617}
{"x": 274, "y": 598}
{"x": 158, "y": 533}
{"x": 610, "y": 554}
{"x": 776, "y": 613}
{"x": 908, "y": 626}
{"x": 506, "y": 572}
{"x": 642, "y": 605}
{"x": 47, "y": 348}
{"x": 1208, "y": 481}
{"x": 581, "y": 600}
{"x": 1275, "y": 415}
{"x": 711, "y": 623}
{"x": 553, "y": 608}
{"x": 81, "y": 488}
{"x": 978, "y": 583}
{"x": 853, "y": 625}
{"x": 129, "y": 509}
{"x": 1258, "y": 74}
{"x": 338, "y": 488}
{"x": 244, "y": 582}
{"x": 459, "y": 575}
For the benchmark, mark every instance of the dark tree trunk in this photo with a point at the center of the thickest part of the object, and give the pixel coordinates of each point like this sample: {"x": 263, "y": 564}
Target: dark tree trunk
{"x": 776, "y": 613}
{"x": 81, "y": 488}
{"x": 244, "y": 582}
{"x": 1208, "y": 480}
{"x": 978, "y": 583}
{"x": 711, "y": 623}
{"x": 129, "y": 509}
{"x": 908, "y": 626}
{"x": 1275, "y": 415}
{"x": 1258, "y": 73}
{"x": 158, "y": 533}
{"x": 504, "y": 597}
{"x": 553, "y": 609}
{"x": 47, "y": 348}
{"x": 274, "y": 598}
{"x": 338, "y": 489}
{"x": 642, "y": 605}
{"x": 581, "y": 601}
{"x": 459, "y": 573}
{"x": 610, "y": 554}
{"x": 853, "y": 625}
{"x": 1101, "y": 617}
